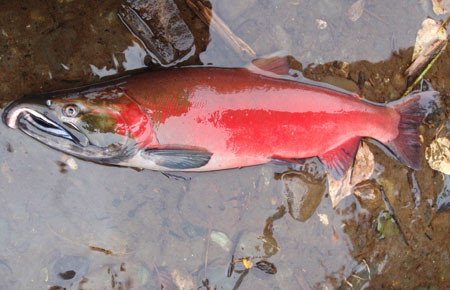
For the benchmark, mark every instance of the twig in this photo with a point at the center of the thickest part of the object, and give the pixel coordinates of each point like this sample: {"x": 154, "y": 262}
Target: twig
{"x": 216, "y": 24}
{"x": 207, "y": 243}
{"x": 157, "y": 274}
{"x": 446, "y": 21}
{"x": 392, "y": 213}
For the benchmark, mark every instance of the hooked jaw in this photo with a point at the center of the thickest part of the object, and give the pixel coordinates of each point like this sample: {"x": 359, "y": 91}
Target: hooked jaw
{"x": 22, "y": 117}
{"x": 9, "y": 116}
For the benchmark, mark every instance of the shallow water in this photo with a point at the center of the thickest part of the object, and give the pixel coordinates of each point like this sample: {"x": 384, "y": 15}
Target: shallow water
{"x": 69, "y": 223}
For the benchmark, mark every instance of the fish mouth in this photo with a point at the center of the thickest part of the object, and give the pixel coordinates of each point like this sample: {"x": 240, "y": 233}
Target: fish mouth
{"x": 61, "y": 136}
{"x": 32, "y": 122}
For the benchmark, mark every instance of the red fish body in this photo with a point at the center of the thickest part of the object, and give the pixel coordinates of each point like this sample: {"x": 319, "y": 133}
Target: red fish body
{"x": 245, "y": 119}
{"x": 201, "y": 119}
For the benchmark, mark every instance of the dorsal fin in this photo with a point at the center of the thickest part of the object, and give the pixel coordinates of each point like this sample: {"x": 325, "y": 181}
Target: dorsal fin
{"x": 277, "y": 65}
{"x": 339, "y": 160}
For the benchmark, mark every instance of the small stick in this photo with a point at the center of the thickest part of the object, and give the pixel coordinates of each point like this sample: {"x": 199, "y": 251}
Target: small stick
{"x": 157, "y": 274}
{"x": 392, "y": 213}
{"x": 210, "y": 18}
{"x": 446, "y": 21}
{"x": 207, "y": 243}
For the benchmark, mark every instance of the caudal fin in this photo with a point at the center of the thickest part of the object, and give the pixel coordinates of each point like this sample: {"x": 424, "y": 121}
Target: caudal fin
{"x": 412, "y": 109}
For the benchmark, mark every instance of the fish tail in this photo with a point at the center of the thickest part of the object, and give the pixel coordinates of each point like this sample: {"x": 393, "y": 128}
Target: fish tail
{"x": 412, "y": 109}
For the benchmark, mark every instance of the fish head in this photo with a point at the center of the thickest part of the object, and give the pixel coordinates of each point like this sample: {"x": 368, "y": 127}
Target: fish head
{"x": 87, "y": 124}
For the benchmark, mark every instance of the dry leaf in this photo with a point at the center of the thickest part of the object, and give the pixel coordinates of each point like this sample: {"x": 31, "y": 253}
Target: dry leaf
{"x": 247, "y": 263}
{"x": 356, "y": 10}
{"x": 431, "y": 38}
{"x": 362, "y": 170}
{"x": 430, "y": 32}
{"x": 438, "y": 155}
{"x": 441, "y": 6}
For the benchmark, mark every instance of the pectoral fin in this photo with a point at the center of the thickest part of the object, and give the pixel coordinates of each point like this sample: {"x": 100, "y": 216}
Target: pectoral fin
{"x": 177, "y": 159}
{"x": 339, "y": 160}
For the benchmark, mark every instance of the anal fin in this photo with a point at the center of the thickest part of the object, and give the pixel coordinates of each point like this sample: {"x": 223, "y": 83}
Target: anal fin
{"x": 177, "y": 159}
{"x": 339, "y": 160}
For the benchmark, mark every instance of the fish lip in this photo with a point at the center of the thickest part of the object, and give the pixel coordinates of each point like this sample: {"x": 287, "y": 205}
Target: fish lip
{"x": 6, "y": 116}
{"x": 15, "y": 112}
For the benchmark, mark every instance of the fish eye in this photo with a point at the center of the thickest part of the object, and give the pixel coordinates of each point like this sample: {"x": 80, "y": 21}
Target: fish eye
{"x": 71, "y": 110}
{"x": 49, "y": 103}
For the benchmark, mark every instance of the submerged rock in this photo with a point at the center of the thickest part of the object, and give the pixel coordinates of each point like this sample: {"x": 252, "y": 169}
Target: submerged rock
{"x": 70, "y": 269}
{"x": 160, "y": 28}
{"x": 304, "y": 193}
{"x": 221, "y": 239}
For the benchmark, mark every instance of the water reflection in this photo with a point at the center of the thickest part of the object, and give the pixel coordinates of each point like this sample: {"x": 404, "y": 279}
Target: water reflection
{"x": 134, "y": 57}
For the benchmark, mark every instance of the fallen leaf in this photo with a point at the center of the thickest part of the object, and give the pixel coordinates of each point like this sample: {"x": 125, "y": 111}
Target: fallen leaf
{"x": 430, "y": 40}
{"x": 438, "y": 155}
{"x": 362, "y": 170}
{"x": 441, "y": 6}
{"x": 266, "y": 267}
{"x": 247, "y": 263}
{"x": 430, "y": 32}
{"x": 356, "y": 10}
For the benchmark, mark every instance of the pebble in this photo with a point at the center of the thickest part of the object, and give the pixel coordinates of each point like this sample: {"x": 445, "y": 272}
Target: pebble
{"x": 303, "y": 196}
{"x": 72, "y": 164}
{"x": 221, "y": 239}
{"x": 323, "y": 219}
{"x": 368, "y": 195}
{"x": 321, "y": 24}
{"x": 76, "y": 265}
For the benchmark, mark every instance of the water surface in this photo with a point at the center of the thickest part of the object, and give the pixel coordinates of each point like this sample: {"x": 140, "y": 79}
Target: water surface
{"x": 69, "y": 223}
